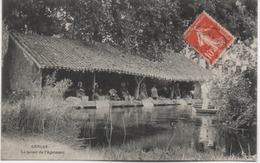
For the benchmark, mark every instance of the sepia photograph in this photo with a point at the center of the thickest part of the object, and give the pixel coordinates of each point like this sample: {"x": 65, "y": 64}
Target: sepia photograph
{"x": 129, "y": 80}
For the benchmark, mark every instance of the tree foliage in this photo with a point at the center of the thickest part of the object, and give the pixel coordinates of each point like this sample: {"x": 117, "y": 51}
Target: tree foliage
{"x": 142, "y": 27}
{"x": 236, "y": 92}
{"x": 236, "y": 96}
{"x": 36, "y": 16}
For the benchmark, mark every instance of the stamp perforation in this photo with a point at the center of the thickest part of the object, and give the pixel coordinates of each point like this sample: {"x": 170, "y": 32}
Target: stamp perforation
{"x": 212, "y": 40}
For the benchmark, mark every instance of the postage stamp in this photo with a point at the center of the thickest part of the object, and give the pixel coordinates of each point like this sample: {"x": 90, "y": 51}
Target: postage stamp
{"x": 208, "y": 38}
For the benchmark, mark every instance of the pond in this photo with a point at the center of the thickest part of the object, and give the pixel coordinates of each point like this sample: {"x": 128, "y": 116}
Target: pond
{"x": 163, "y": 127}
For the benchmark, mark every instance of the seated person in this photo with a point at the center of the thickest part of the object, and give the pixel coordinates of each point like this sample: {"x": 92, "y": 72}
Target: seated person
{"x": 96, "y": 92}
{"x": 124, "y": 92}
{"x": 80, "y": 92}
{"x": 154, "y": 92}
{"x": 143, "y": 92}
{"x": 165, "y": 92}
{"x": 192, "y": 92}
{"x": 112, "y": 93}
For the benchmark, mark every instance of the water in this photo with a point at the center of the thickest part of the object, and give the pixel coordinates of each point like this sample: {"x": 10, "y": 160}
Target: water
{"x": 161, "y": 127}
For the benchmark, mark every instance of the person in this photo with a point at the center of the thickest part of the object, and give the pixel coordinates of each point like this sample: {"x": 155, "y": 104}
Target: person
{"x": 205, "y": 88}
{"x": 192, "y": 92}
{"x": 124, "y": 92}
{"x": 154, "y": 92}
{"x": 112, "y": 93}
{"x": 165, "y": 92}
{"x": 96, "y": 92}
{"x": 80, "y": 92}
{"x": 143, "y": 92}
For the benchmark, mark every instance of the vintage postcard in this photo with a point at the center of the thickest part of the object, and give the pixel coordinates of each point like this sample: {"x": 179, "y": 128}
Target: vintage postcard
{"x": 129, "y": 80}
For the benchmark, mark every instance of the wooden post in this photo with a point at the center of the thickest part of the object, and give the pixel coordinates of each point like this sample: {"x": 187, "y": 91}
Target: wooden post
{"x": 138, "y": 80}
{"x": 172, "y": 91}
{"x": 94, "y": 82}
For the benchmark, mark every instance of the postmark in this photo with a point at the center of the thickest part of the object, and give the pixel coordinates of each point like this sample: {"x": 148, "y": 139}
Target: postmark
{"x": 208, "y": 37}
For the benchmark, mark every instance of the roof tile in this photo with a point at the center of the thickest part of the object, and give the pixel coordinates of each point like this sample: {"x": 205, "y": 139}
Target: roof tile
{"x": 78, "y": 56}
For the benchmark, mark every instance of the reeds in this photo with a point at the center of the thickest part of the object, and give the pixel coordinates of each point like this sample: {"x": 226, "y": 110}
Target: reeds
{"x": 47, "y": 112}
{"x": 35, "y": 114}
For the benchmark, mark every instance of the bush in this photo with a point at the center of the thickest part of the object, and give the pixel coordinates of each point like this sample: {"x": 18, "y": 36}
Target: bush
{"x": 45, "y": 113}
{"x": 55, "y": 89}
{"x": 236, "y": 96}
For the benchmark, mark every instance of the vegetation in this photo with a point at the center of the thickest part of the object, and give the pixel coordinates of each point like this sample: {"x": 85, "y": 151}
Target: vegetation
{"x": 236, "y": 96}
{"x": 236, "y": 92}
{"x": 46, "y": 113}
{"x": 142, "y": 27}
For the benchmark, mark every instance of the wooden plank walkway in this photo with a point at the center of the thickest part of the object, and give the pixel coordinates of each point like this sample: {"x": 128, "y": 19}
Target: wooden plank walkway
{"x": 165, "y": 102}
{"x": 134, "y": 103}
{"x": 197, "y": 104}
{"x": 124, "y": 104}
{"x": 78, "y": 103}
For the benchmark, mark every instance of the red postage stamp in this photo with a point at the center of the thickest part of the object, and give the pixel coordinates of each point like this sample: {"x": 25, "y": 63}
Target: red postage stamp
{"x": 208, "y": 38}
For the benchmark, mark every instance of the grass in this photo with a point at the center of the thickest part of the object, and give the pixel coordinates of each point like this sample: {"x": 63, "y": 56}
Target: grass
{"x": 13, "y": 145}
{"x": 42, "y": 116}
{"x": 39, "y": 114}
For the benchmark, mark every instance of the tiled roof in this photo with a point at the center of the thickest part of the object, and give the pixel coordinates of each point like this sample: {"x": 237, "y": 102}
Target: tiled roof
{"x": 48, "y": 52}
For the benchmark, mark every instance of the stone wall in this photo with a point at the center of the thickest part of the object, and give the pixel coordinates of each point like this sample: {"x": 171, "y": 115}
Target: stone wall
{"x": 20, "y": 72}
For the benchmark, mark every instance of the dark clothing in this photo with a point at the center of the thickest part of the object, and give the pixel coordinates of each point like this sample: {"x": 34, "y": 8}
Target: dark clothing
{"x": 96, "y": 93}
{"x": 125, "y": 93}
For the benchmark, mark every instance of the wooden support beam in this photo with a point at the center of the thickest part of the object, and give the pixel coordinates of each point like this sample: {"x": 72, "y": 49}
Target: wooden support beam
{"x": 138, "y": 80}
{"x": 93, "y": 87}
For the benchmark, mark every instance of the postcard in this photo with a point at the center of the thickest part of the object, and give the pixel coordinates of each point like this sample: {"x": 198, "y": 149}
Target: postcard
{"x": 129, "y": 80}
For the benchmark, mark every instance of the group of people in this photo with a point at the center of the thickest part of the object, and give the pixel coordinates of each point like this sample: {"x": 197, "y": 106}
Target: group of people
{"x": 175, "y": 92}
{"x": 142, "y": 93}
{"x": 123, "y": 92}
{"x": 96, "y": 92}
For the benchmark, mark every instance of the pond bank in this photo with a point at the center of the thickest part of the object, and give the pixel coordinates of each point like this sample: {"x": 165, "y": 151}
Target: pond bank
{"x": 157, "y": 133}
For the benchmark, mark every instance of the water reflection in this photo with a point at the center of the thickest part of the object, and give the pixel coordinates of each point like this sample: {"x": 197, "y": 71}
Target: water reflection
{"x": 208, "y": 133}
{"x": 158, "y": 127}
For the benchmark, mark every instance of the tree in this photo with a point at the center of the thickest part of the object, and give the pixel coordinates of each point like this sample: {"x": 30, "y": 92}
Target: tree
{"x": 34, "y": 16}
{"x": 141, "y": 27}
